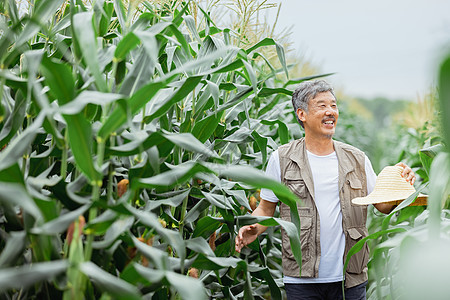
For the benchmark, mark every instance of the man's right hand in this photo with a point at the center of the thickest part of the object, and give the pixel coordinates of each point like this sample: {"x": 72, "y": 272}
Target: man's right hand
{"x": 249, "y": 233}
{"x": 246, "y": 235}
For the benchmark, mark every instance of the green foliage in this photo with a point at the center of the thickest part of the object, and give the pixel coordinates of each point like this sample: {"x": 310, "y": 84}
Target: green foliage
{"x": 91, "y": 96}
{"x": 409, "y": 246}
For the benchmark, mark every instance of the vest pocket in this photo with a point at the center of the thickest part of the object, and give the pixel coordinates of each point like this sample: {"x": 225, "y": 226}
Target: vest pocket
{"x": 305, "y": 238}
{"x": 295, "y": 183}
{"x": 356, "y": 189}
{"x": 358, "y": 261}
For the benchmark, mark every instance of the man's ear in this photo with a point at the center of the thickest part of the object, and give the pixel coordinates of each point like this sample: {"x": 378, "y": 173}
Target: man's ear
{"x": 301, "y": 114}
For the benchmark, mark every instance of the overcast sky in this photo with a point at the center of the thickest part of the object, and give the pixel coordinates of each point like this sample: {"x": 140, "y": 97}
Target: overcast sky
{"x": 386, "y": 48}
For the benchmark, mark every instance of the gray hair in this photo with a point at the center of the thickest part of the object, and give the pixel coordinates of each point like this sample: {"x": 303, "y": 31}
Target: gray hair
{"x": 306, "y": 91}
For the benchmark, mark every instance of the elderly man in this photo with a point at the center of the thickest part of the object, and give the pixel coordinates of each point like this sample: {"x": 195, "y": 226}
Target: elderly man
{"x": 326, "y": 175}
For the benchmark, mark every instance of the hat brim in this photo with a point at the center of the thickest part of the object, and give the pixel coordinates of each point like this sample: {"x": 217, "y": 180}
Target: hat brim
{"x": 391, "y": 198}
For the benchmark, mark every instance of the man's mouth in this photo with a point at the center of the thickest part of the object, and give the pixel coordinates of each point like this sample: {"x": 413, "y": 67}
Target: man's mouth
{"x": 329, "y": 121}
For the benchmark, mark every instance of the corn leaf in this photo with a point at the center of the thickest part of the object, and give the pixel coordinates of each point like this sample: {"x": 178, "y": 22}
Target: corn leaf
{"x": 25, "y": 276}
{"x": 80, "y": 138}
{"x": 187, "y": 287}
{"x": 19, "y": 145}
{"x": 15, "y": 245}
{"x": 61, "y": 223}
{"x": 113, "y": 285}
{"x": 85, "y": 37}
{"x": 59, "y": 78}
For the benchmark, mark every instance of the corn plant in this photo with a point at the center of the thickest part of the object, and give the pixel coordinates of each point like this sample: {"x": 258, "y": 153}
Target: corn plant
{"x": 131, "y": 142}
{"x": 409, "y": 247}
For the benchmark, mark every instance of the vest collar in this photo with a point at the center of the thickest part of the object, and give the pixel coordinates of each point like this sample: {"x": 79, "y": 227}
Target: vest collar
{"x": 300, "y": 157}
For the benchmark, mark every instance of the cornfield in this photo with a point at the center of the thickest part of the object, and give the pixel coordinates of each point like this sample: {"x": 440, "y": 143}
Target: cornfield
{"x": 133, "y": 137}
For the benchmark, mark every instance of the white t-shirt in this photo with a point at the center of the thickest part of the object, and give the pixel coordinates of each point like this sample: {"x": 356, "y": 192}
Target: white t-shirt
{"x": 326, "y": 195}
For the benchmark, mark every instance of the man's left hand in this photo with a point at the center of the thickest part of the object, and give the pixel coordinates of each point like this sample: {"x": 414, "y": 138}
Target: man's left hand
{"x": 407, "y": 173}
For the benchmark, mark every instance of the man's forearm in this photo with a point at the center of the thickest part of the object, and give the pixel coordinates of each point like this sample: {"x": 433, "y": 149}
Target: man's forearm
{"x": 266, "y": 209}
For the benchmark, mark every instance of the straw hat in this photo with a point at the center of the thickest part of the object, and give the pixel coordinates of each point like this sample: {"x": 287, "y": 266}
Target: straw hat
{"x": 391, "y": 187}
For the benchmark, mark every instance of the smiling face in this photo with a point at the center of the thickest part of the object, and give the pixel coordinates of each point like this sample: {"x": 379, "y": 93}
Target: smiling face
{"x": 322, "y": 115}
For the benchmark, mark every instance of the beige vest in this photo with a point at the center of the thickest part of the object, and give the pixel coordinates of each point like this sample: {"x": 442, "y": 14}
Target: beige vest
{"x": 296, "y": 174}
